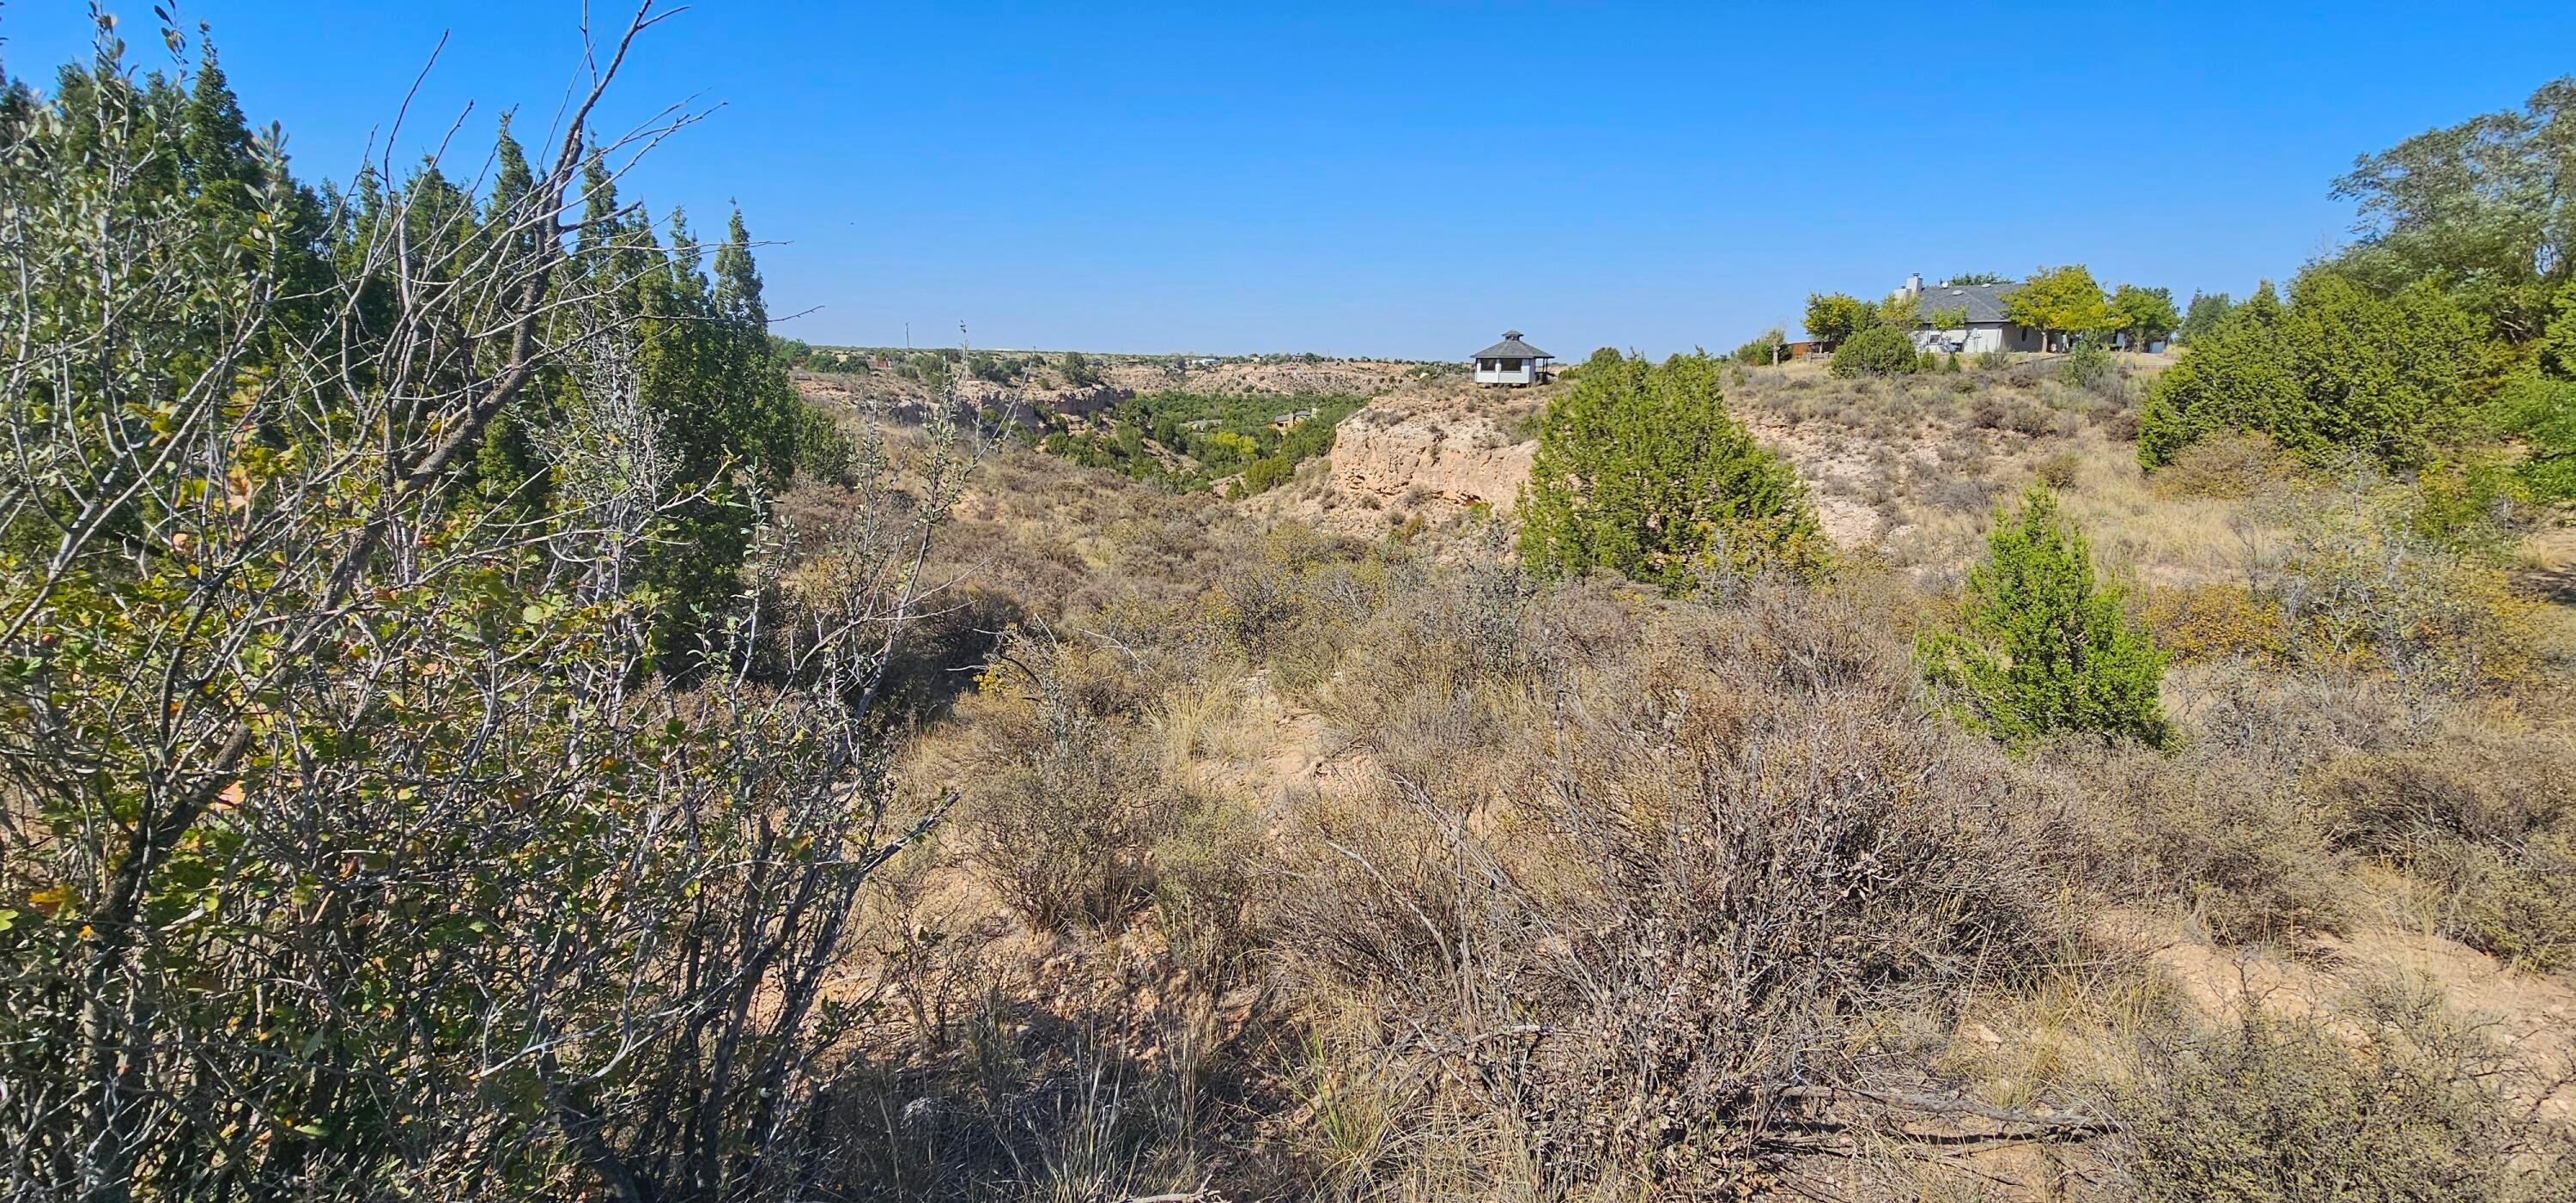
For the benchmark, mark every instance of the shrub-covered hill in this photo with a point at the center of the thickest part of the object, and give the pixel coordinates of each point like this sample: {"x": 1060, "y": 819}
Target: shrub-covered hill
{"x": 1387, "y": 858}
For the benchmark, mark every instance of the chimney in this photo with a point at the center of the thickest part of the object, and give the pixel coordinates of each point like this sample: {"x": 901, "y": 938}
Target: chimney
{"x": 1914, "y": 284}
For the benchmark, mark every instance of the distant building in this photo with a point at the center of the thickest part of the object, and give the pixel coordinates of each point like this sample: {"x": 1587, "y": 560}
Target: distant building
{"x": 1512, "y": 361}
{"x": 1937, "y": 311}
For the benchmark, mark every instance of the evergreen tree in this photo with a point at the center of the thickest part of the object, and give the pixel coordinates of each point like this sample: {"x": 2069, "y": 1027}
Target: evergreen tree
{"x": 738, "y": 279}
{"x": 215, "y": 141}
{"x": 1875, "y": 351}
{"x": 506, "y": 466}
{"x": 607, "y": 247}
{"x": 1640, "y": 469}
{"x": 2041, "y": 647}
{"x": 687, "y": 259}
{"x": 2537, "y": 407}
{"x": 2337, "y": 369}
{"x": 2233, "y": 375}
{"x": 2202, "y": 315}
{"x": 512, "y": 180}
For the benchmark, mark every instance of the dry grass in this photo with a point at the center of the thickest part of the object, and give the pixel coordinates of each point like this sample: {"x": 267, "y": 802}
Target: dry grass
{"x": 1383, "y": 871}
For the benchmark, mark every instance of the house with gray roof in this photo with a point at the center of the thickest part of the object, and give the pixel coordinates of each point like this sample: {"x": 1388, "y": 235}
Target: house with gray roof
{"x": 1512, "y": 362}
{"x": 1939, "y": 310}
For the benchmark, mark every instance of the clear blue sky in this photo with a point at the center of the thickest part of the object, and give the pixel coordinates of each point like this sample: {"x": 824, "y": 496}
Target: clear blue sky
{"x": 1410, "y": 180}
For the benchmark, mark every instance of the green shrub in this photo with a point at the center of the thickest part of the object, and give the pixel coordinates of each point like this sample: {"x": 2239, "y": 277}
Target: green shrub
{"x": 1265, "y": 474}
{"x": 1641, "y": 469}
{"x": 2041, "y": 648}
{"x": 2087, "y": 366}
{"x": 2336, "y": 370}
{"x": 1875, "y": 351}
{"x": 2540, "y": 412}
{"x": 1079, "y": 370}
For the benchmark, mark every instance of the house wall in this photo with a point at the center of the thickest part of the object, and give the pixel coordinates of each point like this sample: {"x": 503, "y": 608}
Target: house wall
{"x": 1527, "y": 373}
{"x": 1977, "y": 337}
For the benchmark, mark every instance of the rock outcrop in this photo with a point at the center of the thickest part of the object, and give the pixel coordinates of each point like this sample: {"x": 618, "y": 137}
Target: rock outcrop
{"x": 1459, "y": 458}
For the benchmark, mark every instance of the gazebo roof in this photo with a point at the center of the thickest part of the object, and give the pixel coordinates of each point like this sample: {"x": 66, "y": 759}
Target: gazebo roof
{"x": 1512, "y": 348}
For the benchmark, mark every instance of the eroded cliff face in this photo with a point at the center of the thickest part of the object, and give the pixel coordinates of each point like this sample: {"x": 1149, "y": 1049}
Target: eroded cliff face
{"x": 1430, "y": 450}
{"x": 1458, "y": 458}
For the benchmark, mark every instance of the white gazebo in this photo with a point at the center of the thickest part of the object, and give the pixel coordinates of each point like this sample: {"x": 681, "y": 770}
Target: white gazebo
{"x": 1512, "y": 361}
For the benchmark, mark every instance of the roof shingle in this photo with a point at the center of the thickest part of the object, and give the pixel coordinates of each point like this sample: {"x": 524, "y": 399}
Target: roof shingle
{"x": 1984, "y": 302}
{"x": 1512, "y": 348}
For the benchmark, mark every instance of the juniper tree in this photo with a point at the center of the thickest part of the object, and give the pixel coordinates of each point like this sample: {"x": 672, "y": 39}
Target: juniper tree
{"x": 738, "y": 279}
{"x": 2204, "y": 313}
{"x": 2041, "y": 646}
{"x": 1875, "y": 351}
{"x": 2337, "y": 369}
{"x": 1641, "y": 469}
{"x": 2537, "y": 408}
{"x": 216, "y": 143}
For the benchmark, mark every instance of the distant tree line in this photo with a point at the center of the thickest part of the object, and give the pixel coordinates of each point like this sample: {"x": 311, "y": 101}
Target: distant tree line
{"x": 1190, "y": 441}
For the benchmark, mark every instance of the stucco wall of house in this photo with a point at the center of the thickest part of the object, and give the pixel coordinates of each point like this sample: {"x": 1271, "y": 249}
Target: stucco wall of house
{"x": 1525, "y": 374}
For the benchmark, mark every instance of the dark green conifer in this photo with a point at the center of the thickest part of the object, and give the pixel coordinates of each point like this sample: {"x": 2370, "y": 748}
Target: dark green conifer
{"x": 738, "y": 279}
{"x": 2041, "y": 647}
{"x": 1641, "y": 469}
{"x": 215, "y": 141}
